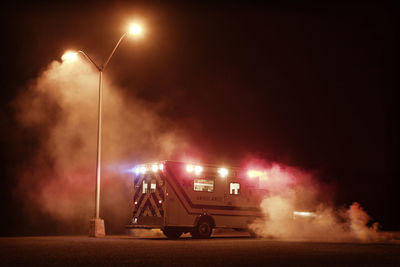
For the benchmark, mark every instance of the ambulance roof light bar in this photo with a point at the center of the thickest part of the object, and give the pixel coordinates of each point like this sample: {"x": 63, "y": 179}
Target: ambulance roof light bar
{"x": 197, "y": 169}
{"x": 142, "y": 169}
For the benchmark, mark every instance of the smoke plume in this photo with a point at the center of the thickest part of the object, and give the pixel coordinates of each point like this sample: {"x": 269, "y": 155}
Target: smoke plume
{"x": 60, "y": 109}
{"x": 297, "y": 207}
{"x": 57, "y": 186}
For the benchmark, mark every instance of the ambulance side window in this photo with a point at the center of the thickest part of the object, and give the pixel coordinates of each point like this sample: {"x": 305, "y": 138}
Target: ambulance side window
{"x": 144, "y": 187}
{"x": 203, "y": 185}
{"x": 234, "y": 188}
{"x": 149, "y": 187}
{"x": 153, "y": 186}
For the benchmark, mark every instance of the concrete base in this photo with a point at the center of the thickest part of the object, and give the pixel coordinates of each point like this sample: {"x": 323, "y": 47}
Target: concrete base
{"x": 96, "y": 228}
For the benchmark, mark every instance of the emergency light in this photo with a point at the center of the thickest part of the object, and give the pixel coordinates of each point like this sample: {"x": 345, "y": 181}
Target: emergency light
{"x": 223, "y": 172}
{"x": 196, "y": 169}
{"x": 154, "y": 168}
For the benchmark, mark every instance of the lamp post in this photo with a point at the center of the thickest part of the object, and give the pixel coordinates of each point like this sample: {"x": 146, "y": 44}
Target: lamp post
{"x": 97, "y": 228}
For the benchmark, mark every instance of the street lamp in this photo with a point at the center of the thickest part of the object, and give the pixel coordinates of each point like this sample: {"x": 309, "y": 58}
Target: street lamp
{"x": 97, "y": 228}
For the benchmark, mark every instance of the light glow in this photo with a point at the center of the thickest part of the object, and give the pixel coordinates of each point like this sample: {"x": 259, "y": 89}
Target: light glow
{"x": 223, "y": 172}
{"x": 254, "y": 173}
{"x": 154, "y": 168}
{"x": 143, "y": 169}
{"x": 189, "y": 168}
{"x": 135, "y": 29}
{"x": 304, "y": 213}
{"x": 137, "y": 170}
{"x": 198, "y": 169}
{"x": 69, "y": 56}
{"x": 251, "y": 173}
{"x": 161, "y": 167}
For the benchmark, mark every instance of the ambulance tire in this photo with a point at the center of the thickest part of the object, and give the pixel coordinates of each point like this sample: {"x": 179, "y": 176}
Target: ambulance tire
{"x": 202, "y": 230}
{"x": 172, "y": 233}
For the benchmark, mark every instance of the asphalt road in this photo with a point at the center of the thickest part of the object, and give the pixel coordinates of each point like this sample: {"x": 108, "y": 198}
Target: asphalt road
{"x": 222, "y": 250}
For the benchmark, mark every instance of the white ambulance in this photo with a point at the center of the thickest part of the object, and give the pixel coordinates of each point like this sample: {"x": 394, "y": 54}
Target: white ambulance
{"x": 179, "y": 197}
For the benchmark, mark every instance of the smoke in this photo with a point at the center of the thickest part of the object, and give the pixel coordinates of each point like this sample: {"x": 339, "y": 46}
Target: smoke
{"x": 292, "y": 190}
{"x": 146, "y": 233}
{"x": 57, "y": 186}
{"x": 60, "y": 109}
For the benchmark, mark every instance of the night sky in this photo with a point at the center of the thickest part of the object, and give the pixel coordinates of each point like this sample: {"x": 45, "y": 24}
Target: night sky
{"x": 312, "y": 86}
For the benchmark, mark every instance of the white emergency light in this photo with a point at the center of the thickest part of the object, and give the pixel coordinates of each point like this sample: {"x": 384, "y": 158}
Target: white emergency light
{"x": 189, "y": 168}
{"x": 198, "y": 169}
{"x": 137, "y": 170}
{"x": 154, "y": 168}
{"x": 143, "y": 170}
{"x": 223, "y": 172}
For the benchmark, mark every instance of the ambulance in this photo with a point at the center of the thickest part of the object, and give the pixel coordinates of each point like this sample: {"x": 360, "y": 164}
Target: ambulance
{"x": 179, "y": 197}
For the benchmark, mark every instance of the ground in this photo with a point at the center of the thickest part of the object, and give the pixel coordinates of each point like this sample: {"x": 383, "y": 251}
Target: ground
{"x": 220, "y": 250}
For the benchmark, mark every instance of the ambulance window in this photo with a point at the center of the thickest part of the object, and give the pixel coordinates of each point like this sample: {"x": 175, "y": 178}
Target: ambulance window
{"x": 203, "y": 185}
{"x": 144, "y": 187}
{"x": 234, "y": 188}
{"x": 153, "y": 186}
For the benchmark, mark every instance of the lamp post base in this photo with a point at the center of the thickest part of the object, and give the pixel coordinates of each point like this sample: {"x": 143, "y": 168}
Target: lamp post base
{"x": 96, "y": 228}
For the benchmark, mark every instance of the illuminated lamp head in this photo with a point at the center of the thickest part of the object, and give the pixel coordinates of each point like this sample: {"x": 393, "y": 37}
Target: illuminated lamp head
{"x": 69, "y": 56}
{"x": 143, "y": 169}
{"x": 135, "y": 29}
{"x": 161, "y": 167}
{"x": 154, "y": 168}
{"x": 137, "y": 170}
{"x": 189, "y": 168}
{"x": 223, "y": 172}
{"x": 198, "y": 169}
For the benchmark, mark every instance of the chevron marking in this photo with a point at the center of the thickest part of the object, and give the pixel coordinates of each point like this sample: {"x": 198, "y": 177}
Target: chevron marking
{"x": 147, "y": 212}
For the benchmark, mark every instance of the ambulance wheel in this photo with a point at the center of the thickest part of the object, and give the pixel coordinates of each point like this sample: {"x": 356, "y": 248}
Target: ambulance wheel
{"x": 202, "y": 230}
{"x": 172, "y": 233}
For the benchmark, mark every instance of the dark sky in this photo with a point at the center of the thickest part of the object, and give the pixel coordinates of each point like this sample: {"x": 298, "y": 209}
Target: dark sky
{"x": 310, "y": 86}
